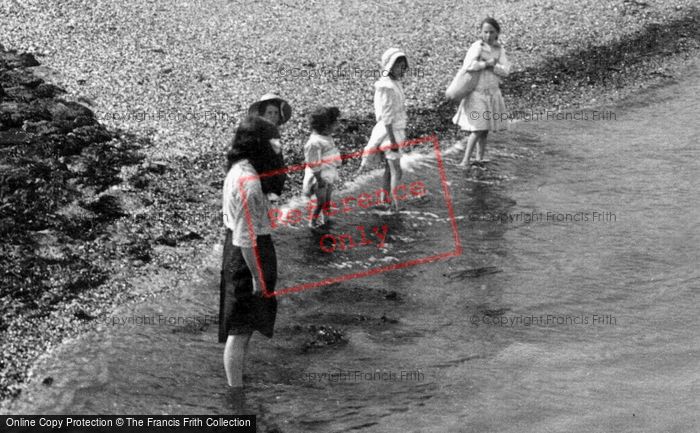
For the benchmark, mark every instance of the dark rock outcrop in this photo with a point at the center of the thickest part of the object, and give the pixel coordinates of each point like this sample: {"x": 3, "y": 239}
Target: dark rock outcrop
{"x": 56, "y": 161}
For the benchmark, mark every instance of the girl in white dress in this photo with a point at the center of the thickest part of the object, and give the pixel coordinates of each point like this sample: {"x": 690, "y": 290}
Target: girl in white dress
{"x": 390, "y": 129}
{"x": 322, "y": 159}
{"x": 483, "y": 110}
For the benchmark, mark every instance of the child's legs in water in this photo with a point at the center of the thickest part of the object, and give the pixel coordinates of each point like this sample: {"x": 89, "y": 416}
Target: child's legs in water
{"x": 481, "y": 145}
{"x": 327, "y": 192}
{"x": 318, "y": 217}
{"x": 471, "y": 141}
{"x": 392, "y": 177}
{"x": 386, "y": 183}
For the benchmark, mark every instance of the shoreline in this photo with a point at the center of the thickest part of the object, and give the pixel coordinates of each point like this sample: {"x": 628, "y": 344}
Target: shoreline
{"x": 178, "y": 239}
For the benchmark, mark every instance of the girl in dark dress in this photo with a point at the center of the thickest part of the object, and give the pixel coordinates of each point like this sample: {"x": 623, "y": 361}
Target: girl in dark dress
{"x": 249, "y": 269}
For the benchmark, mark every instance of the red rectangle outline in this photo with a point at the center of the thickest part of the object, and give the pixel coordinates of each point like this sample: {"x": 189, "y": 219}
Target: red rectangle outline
{"x": 300, "y": 287}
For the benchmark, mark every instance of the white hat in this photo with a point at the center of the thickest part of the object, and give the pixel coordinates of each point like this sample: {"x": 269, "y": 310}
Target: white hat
{"x": 390, "y": 57}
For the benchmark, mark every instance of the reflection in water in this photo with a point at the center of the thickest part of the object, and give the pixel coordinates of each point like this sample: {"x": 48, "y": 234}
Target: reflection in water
{"x": 501, "y": 338}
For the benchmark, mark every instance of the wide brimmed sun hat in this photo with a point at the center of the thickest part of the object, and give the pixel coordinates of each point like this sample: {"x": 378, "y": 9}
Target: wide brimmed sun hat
{"x": 285, "y": 108}
{"x": 390, "y": 57}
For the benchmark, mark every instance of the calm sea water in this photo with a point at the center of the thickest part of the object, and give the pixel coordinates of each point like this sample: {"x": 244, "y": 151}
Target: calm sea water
{"x": 574, "y": 306}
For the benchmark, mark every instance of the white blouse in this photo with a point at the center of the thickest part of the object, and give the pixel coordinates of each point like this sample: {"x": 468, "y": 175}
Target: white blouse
{"x": 390, "y": 103}
{"x": 235, "y": 216}
{"x": 476, "y": 58}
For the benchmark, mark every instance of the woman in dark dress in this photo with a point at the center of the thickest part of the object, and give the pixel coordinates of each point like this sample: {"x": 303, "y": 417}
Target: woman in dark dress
{"x": 249, "y": 269}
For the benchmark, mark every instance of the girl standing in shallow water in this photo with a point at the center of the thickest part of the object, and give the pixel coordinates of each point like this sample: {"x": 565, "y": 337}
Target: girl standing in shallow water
{"x": 390, "y": 112}
{"x": 249, "y": 253}
{"x": 480, "y": 111}
{"x": 320, "y": 177}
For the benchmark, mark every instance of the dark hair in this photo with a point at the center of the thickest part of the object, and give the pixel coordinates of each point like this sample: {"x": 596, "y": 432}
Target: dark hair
{"x": 323, "y": 117}
{"x": 404, "y": 58}
{"x": 492, "y": 21}
{"x": 252, "y": 142}
{"x": 398, "y": 59}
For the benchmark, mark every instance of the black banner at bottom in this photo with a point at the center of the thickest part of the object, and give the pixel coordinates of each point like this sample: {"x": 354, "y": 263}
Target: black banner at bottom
{"x": 128, "y": 423}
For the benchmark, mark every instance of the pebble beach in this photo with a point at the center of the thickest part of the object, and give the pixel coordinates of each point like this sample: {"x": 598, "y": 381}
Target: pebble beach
{"x": 158, "y": 88}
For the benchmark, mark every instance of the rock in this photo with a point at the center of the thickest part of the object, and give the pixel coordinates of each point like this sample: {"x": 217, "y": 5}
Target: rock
{"x": 130, "y": 204}
{"x": 45, "y": 90}
{"x": 20, "y": 93}
{"x": 7, "y": 110}
{"x": 79, "y": 166}
{"x": 82, "y": 315}
{"x": 75, "y": 212}
{"x": 107, "y": 207}
{"x": 323, "y": 336}
{"x": 158, "y": 167}
{"x": 92, "y": 133}
{"x": 386, "y": 319}
{"x": 12, "y": 60}
{"x": 61, "y": 111}
{"x": 42, "y": 127}
{"x": 86, "y": 100}
{"x": 47, "y": 74}
{"x": 31, "y": 82}
{"x": 48, "y": 245}
{"x": 191, "y": 236}
{"x": 13, "y": 138}
{"x": 27, "y": 60}
{"x": 491, "y": 312}
{"x": 14, "y": 114}
{"x": 7, "y": 224}
{"x": 140, "y": 250}
{"x": 392, "y": 296}
{"x": 166, "y": 240}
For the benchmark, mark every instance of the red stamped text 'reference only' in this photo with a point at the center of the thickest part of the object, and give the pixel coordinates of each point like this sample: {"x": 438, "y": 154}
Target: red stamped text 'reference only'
{"x": 368, "y": 236}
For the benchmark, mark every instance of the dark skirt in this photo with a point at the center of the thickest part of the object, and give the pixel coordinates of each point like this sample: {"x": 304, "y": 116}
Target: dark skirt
{"x": 240, "y": 312}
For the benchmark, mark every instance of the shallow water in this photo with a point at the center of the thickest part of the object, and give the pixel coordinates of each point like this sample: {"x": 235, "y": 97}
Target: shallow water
{"x": 539, "y": 325}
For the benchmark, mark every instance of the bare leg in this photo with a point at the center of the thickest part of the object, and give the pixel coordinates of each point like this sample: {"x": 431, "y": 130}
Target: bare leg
{"x": 470, "y": 148}
{"x": 317, "y": 217}
{"x": 234, "y": 356}
{"x": 327, "y": 197}
{"x": 481, "y": 145}
{"x": 386, "y": 182}
{"x": 396, "y": 175}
